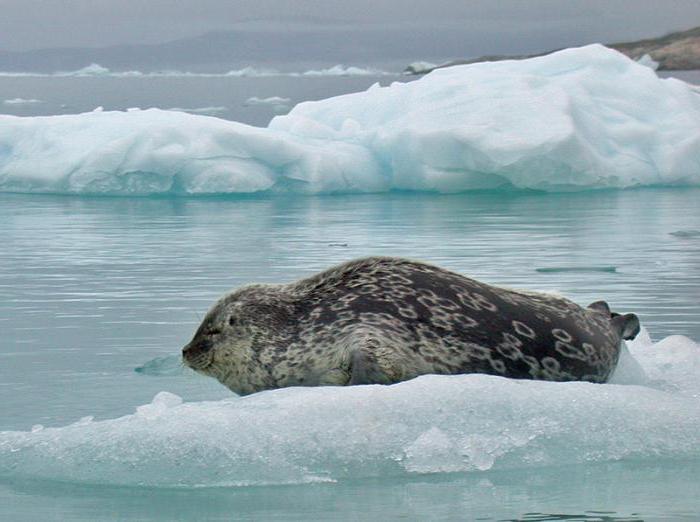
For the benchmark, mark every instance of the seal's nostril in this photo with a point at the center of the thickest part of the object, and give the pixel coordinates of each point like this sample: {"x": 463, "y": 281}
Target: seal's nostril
{"x": 197, "y": 348}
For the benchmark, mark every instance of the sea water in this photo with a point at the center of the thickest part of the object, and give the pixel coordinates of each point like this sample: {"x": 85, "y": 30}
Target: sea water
{"x": 99, "y": 294}
{"x": 223, "y": 97}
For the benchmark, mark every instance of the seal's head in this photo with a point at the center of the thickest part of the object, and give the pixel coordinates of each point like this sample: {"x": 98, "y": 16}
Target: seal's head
{"x": 227, "y": 344}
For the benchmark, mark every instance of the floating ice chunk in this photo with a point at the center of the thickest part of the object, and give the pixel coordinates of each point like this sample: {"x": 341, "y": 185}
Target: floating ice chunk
{"x": 462, "y": 423}
{"x": 94, "y": 69}
{"x": 252, "y": 72}
{"x": 341, "y": 70}
{"x": 278, "y": 104}
{"x": 21, "y": 101}
{"x": 420, "y": 67}
{"x": 578, "y": 119}
{"x": 272, "y": 100}
{"x": 217, "y": 109}
{"x": 648, "y": 61}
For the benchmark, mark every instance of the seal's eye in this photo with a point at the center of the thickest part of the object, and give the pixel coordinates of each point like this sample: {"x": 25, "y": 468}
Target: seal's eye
{"x": 232, "y": 320}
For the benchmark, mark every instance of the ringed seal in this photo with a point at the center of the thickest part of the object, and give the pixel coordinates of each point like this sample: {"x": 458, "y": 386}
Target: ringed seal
{"x": 382, "y": 320}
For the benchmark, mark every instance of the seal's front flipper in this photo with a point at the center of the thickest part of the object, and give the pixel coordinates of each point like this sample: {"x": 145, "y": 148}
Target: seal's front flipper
{"x": 334, "y": 377}
{"x": 365, "y": 369}
{"x": 627, "y": 324}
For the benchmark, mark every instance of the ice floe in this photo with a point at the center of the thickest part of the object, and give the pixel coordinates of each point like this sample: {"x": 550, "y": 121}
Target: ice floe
{"x": 432, "y": 424}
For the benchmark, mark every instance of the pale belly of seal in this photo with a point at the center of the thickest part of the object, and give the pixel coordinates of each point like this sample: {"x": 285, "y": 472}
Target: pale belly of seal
{"x": 385, "y": 320}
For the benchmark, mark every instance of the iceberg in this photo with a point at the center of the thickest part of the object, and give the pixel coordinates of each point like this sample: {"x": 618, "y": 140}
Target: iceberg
{"x": 579, "y": 119}
{"x": 650, "y": 412}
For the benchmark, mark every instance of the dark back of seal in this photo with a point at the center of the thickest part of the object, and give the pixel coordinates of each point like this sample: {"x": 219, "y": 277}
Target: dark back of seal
{"x": 465, "y": 326}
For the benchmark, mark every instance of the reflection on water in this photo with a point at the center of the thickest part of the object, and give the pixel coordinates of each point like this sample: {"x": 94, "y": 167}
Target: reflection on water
{"x": 612, "y": 492}
{"x": 559, "y": 270}
{"x": 589, "y": 516}
{"x": 168, "y": 365}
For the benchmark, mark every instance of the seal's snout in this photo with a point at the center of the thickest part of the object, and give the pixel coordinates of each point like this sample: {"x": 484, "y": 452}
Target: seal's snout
{"x": 197, "y": 354}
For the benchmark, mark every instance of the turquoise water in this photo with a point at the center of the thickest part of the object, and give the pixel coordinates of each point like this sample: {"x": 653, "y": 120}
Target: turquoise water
{"x": 94, "y": 288}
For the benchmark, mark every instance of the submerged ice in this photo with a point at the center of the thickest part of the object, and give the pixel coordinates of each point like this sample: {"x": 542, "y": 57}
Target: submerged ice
{"x": 432, "y": 424}
{"x": 577, "y": 119}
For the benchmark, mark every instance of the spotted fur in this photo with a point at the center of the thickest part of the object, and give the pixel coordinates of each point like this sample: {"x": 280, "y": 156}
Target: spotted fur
{"x": 385, "y": 320}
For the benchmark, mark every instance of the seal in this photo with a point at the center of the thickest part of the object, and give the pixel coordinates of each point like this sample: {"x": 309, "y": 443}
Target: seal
{"x": 382, "y": 320}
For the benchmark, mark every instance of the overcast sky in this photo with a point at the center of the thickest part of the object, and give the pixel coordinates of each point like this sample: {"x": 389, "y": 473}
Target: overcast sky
{"x": 32, "y": 24}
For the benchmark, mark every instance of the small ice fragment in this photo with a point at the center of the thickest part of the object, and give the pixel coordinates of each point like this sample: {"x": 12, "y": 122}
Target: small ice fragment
{"x": 200, "y": 110}
{"x": 94, "y": 69}
{"x": 272, "y": 100}
{"x": 21, "y": 101}
{"x": 419, "y": 67}
{"x": 167, "y": 399}
{"x": 162, "y": 402}
{"x": 648, "y": 61}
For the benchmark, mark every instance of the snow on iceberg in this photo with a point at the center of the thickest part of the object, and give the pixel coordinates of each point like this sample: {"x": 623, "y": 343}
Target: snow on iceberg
{"x": 577, "y": 119}
{"x": 432, "y": 424}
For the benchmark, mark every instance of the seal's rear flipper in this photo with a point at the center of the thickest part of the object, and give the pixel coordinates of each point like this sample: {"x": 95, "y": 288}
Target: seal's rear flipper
{"x": 600, "y": 306}
{"x": 628, "y": 324}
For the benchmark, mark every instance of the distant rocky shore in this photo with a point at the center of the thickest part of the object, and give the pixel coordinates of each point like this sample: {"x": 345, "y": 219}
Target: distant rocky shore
{"x": 678, "y": 51}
